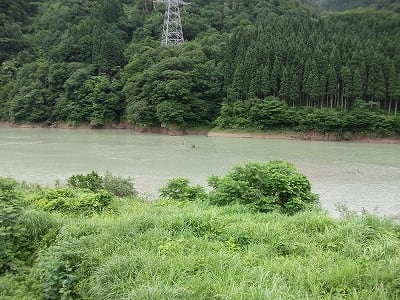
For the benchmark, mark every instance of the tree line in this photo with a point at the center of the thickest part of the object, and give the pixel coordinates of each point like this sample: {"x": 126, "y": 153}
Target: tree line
{"x": 100, "y": 62}
{"x": 328, "y": 62}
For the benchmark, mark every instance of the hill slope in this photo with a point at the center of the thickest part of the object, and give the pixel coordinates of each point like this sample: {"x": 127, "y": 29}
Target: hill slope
{"x": 344, "y": 5}
{"x": 100, "y": 61}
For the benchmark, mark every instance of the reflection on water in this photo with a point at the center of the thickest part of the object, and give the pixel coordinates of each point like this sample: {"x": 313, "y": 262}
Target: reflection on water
{"x": 361, "y": 176}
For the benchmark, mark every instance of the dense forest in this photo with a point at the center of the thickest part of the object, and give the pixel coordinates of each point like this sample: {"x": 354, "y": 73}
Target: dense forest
{"x": 274, "y": 64}
{"x": 343, "y": 5}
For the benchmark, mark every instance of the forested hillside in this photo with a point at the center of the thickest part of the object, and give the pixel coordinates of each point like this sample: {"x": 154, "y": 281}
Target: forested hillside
{"x": 343, "y": 5}
{"x": 100, "y": 61}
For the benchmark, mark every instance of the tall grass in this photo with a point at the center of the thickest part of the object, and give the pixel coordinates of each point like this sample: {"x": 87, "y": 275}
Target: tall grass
{"x": 168, "y": 250}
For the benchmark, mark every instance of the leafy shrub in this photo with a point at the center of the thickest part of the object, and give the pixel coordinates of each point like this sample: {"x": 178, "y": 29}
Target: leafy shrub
{"x": 8, "y": 190}
{"x": 120, "y": 187}
{"x": 269, "y": 113}
{"x": 63, "y": 267}
{"x": 255, "y": 113}
{"x": 178, "y": 189}
{"x": 234, "y": 115}
{"x": 386, "y": 125}
{"x": 10, "y": 229}
{"x": 22, "y": 231}
{"x": 362, "y": 118}
{"x": 322, "y": 120}
{"x": 60, "y": 268}
{"x": 91, "y": 181}
{"x": 274, "y": 186}
{"x": 72, "y": 200}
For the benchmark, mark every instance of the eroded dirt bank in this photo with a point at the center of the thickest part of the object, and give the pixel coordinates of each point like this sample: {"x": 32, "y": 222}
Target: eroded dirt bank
{"x": 309, "y": 136}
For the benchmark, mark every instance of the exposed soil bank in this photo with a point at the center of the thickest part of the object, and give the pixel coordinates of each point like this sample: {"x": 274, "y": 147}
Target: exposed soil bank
{"x": 309, "y": 136}
{"x": 135, "y": 128}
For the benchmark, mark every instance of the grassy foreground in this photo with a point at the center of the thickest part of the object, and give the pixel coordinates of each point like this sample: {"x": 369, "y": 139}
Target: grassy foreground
{"x": 193, "y": 250}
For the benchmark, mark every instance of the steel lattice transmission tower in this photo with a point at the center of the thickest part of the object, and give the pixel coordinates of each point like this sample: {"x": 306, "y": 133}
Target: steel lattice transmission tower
{"x": 172, "y": 29}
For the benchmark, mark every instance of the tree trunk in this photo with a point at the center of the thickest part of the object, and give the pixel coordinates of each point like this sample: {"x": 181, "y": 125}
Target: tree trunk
{"x": 385, "y": 102}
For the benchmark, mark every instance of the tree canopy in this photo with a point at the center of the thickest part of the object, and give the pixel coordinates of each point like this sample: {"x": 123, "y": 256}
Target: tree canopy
{"x": 100, "y": 61}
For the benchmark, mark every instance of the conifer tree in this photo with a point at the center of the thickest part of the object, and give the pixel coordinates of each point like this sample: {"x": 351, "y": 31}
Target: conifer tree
{"x": 255, "y": 87}
{"x": 286, "y": 82}
{"x": 315, "y": 91}
{"x": 331, "y": 85}
{"x": 357, "y": 84}
{"x": 394, "y": 89}
{"x": 345, "y": 86}
{"x": 265, "y": 79}
{"x": 276, "y": 75}
{"x": 294, "y": 91}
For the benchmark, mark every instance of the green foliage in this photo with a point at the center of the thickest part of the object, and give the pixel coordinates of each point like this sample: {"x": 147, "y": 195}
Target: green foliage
{"x": 10, "y": 229}
{"x": 343, "y": 5}
{"x": 120, "y": 187}
{"x": 270, "y": 113}
{"x": 40, "y": 229}
{"x": 303, "y": 66}
{"x": 323, "y": 120}
{"x": 178, "y": 189}
{"x": 8, "y": 190}
{"x": 22, "y": 231}
{"x": 274, "y": 186}
{"x": 362, "y": 118}
{"x": 175, "y": 86}
{"x": 170, "y": 113}
{"x": 62, "y": 269}
{"x": 14, "y": 15}
{"x": 176, "y": 250}
{"x": 98, "y": 62}
{"x": 75, "y": 201}
{"x": 91, "y": 181}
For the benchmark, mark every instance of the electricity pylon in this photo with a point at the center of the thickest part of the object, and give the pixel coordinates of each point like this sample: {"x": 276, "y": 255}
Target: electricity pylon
{"x": 172, "y": 29}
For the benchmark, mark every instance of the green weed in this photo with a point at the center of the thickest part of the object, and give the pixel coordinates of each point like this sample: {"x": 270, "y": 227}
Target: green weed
{"x": 194, "y": 250}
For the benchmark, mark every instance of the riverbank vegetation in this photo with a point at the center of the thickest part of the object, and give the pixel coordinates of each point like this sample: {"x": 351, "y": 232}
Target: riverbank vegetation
{"x": 272, "y": 114}
{"x": 101, "y": 62}
{"x": 190, "y": 244}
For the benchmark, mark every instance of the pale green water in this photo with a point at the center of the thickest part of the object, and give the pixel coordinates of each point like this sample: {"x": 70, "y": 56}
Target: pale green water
{"x": 361, "y": 176}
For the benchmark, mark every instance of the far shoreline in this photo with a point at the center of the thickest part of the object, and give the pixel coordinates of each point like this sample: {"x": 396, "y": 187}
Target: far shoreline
{"x": 305, "y": 136}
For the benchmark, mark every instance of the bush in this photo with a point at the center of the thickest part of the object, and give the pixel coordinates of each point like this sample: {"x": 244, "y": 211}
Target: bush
{"x": 120, "y": 187}
{"x": 22, "y": 231}
{"x": 10, "y": 229}
{"x": 60, "y": 268}
{"x": 322, "y": 120}
{"x": 91, "y": 181}
{"x": 234, "y": 115}
{"x": 269, "y": 113}
{"x": 361, "y": 118}
{"x": 72, "y": 201}
{"x": 274, "y": 186}
{"x": 178, "y": 189}
{"x": 8, "y": 190}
